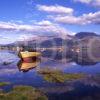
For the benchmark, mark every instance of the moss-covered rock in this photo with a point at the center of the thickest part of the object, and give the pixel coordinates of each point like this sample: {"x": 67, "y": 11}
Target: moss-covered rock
{"x": 23, "y": 93}
{"x": 4, "y": 84}
{"x": 58, "y": 76}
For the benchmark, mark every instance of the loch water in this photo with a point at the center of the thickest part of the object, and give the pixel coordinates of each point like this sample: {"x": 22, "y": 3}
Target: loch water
{"x": 85, "y": 88}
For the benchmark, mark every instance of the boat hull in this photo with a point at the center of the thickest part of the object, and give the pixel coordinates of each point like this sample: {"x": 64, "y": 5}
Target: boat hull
{"x": 29, "y": 56}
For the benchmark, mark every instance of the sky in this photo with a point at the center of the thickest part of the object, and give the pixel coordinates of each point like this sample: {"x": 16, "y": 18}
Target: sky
{"x": 24, "y": 19}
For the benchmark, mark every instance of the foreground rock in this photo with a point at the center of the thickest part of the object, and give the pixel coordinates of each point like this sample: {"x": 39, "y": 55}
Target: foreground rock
{"x": 23, "y": 93}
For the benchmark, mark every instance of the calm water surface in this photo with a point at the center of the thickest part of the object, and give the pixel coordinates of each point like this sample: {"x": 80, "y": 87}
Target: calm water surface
{"x": 87, "y": 88}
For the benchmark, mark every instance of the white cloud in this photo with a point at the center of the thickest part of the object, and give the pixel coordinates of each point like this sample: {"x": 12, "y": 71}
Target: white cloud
{"x": 13, "y": 26}
{"x": 44, "y": 23}
{"x": 62, "y": 15}
{"x": 83, "y": 1}
{"x": 90, "y": 2}
{"x": 38, "y": 28}
{"x": 91, "y": 18}
{"x": 96, "y": 3}
{"x": 6, "y": 40}
{"x": 55, "y": 9}
{"x": 25, "y": 37}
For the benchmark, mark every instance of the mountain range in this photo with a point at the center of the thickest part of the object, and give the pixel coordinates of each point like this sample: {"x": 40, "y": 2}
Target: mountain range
{"x": 51, "y": 41}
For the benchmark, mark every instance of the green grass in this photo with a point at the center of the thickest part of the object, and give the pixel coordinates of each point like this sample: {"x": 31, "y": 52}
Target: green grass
{"x": 23, "y": 93}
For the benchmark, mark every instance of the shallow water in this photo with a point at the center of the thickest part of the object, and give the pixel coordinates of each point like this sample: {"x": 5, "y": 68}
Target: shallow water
{"x": 86, "y": 88}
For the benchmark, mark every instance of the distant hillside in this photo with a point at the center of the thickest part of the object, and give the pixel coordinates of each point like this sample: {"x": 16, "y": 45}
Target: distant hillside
{"x": 51, "y": 41}
{"x": 56, "y": 42}
{"x": 81, "y": 35}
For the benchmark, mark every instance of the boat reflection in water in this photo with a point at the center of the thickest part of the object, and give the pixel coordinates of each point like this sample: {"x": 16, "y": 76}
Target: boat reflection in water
{"x": 26, "y": 66}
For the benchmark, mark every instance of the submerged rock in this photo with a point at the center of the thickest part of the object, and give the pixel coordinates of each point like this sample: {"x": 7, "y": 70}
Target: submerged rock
{"x": 23, "y": 93}
{"x": 58, "y": 76}
{"x": 4, "y": 83}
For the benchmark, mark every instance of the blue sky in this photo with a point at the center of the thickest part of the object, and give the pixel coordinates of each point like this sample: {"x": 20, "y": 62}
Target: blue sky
{"x": 28, "y": 18}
